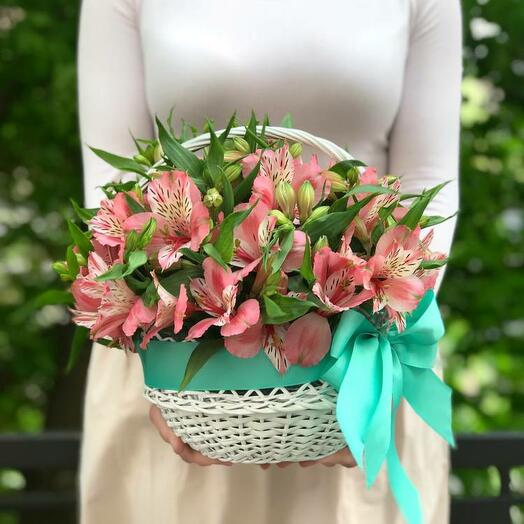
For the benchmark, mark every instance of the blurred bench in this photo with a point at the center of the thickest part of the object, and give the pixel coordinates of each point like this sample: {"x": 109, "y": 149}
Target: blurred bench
{"x": 59, "y": 452}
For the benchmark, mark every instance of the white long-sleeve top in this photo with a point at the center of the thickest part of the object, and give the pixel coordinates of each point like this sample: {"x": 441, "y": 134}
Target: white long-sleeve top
{"x": 381, "y": 77}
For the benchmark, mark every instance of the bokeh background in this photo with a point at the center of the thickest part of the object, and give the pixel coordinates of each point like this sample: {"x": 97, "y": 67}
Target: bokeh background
{"x": 482, "y": 298}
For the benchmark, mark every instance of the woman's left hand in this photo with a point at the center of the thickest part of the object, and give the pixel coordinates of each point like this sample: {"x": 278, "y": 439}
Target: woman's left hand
{"x": 340, "y": 458}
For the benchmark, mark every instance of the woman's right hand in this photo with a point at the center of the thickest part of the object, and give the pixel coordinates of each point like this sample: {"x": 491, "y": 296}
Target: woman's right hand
{"x": 186, "y": 453}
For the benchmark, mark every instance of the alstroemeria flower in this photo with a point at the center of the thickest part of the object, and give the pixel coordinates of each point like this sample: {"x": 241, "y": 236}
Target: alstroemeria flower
{"x": 279, "y": 166}
{"x": 268, "y": 337}
{"x": 391, "y": 270}
{"x": 107, "y": 224}
{"x": 308, "y": 339}
{"x": 252, "y": 235}
{"x": 339, "y": 279}
{"x": 171, "y": 310}
{"x": 216, "y": 295}
{"x": 428, "y": 277}
{"x": 182, "y": 219}
{"x": 107, "y": 308}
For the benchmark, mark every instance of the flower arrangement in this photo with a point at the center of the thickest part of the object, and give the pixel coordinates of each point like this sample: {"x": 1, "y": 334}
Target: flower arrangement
{"x": 250, "y": 247}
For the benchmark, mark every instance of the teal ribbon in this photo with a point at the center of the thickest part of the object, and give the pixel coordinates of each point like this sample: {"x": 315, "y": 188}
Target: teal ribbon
{"x": 373, "y": 371}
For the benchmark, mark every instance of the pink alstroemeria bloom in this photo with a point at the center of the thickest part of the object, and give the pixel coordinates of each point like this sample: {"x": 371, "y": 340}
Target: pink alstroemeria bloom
{"x": 252, "y": 235}
{"x": 171, "y": 310}
{"x": 308, "y": 339}
{"x": 428, "y": 277}
{"x": 107, "y": 224}
{"x": 338, "y": 277}
{"x": 391, "y": 270}
{"x": 268, "y": 337}
{"x": 182, "y": 219}
{"x": 216, "y": 295}
{"x": 279, "y": 166}
{"x": 109, "y": 308}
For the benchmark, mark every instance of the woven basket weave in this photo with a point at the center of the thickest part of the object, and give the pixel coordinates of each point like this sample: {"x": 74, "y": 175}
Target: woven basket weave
{"x": 257, "y": 426}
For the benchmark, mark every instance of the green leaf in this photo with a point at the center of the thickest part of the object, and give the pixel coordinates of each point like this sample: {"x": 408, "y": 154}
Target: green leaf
{"x": 340, "y": 204}
{"x": 334, "y": 224}
{"x": 136, "y": 260}
{"x": 251, "y": 132}
{"x": 287, "y": 121}
{"x": 371, "y": 188}
{"x": 84, "y": 214}
{"x": 227, "y": 195}
{"x": 181, "y": 157}
{"x": 416, "y": 210}
{"x": 80, "y": 239}
{"x": 200, "y": 355}
{"x": 146, "y": 235}
{"x": 215, "y": 157}
{"x": 224, "y": 241}
{"x": 344, "y": 166}
{"x": 223, "y": 136}
{"x": 285, "y": 247}
{"x": 195, "y": 257}
{"x": 306, "y": 269}
{"x": 80, "y": 337}
{"x": 243, "y": 190}
{"x": 435, "y": 219}
{"x": 127, "y": 165}
{"x": 172, "y": 282}
{"x": 72, "y": 262}
{"x": 53, "y": 297}
{"x": 257, "y": 139}
{"x": 279, "y": 309}
{"x": 150, "y": 296}
{"x": 433, "y": 264}
{"x": 134, "y": 206}
{"x": 214, "y": 254}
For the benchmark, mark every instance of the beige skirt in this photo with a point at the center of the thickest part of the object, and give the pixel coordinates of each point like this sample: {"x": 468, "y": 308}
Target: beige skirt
{"x": 130, "y": 476}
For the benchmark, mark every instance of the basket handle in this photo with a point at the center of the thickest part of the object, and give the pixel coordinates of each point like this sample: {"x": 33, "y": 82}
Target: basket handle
{"x": 326, "y": 146}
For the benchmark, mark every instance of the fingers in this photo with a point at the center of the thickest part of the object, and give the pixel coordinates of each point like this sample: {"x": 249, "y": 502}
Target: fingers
{"x": 341, "y": 458}
{"x": 185, "y": 452}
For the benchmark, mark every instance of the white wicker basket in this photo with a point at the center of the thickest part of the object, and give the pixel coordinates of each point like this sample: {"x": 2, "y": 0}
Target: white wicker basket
{"x": 257, "y": 426}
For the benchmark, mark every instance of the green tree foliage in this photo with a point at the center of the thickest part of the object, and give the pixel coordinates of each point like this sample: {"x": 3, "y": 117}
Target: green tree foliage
{"x": 40, "y": 169}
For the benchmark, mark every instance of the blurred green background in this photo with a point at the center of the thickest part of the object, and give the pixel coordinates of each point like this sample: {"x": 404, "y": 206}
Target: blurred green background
{"x": 482, "y": 298}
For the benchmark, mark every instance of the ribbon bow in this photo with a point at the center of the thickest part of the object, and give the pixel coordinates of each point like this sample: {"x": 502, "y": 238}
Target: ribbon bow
{"x": 372, "y": 371}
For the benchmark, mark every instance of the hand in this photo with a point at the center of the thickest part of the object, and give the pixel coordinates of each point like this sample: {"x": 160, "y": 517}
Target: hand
{"x": 341, "y": 458}
{"x": 186, "y": 453}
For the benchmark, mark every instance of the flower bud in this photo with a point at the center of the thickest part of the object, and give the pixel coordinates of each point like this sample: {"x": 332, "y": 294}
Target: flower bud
{"x": 158, "y": 153}
{"x": 318, "y": 213}
{"x": 80, "y": 259}
{"x": 281, "y": 218}
{"x": 141, "y": 159}
{"x": 61, "y": 268}
{"x": 241, "y": 145}
{"x": 233, "y": 171}
{"x": 337, "y": 183}
{"x": 320, "y": 243}
{"x": 213, "y": 198}
{"x": 231, "y": 156}
{"x": 286, "y": 198}
{"x": 353, "y": 176}
{"x": 305, "y": 199}
{"x": 295, "y": 149}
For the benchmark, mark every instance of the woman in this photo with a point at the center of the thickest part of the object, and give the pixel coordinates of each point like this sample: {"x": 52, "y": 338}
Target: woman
{"x": 381, "y": 76}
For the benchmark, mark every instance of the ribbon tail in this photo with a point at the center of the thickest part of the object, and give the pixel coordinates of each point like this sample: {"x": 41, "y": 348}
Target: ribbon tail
{"x": 421, "y": 385}
{"x": 357, "y": 396}
{"x": 404, "y": 491}
{"x": 378, "y": 434}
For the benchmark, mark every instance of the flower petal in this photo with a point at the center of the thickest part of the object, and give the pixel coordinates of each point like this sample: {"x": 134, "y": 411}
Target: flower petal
{"x": 308, "y": 340}
{"x": 248, "y": 343}
{"x": 246, "y": 316}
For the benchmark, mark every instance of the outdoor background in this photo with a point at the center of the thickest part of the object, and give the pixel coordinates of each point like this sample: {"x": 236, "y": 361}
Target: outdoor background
{"x": 482, "y": 298}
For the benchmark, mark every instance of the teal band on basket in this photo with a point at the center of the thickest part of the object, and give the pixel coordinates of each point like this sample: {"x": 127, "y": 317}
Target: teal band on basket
{"x": 372, "y": 372}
